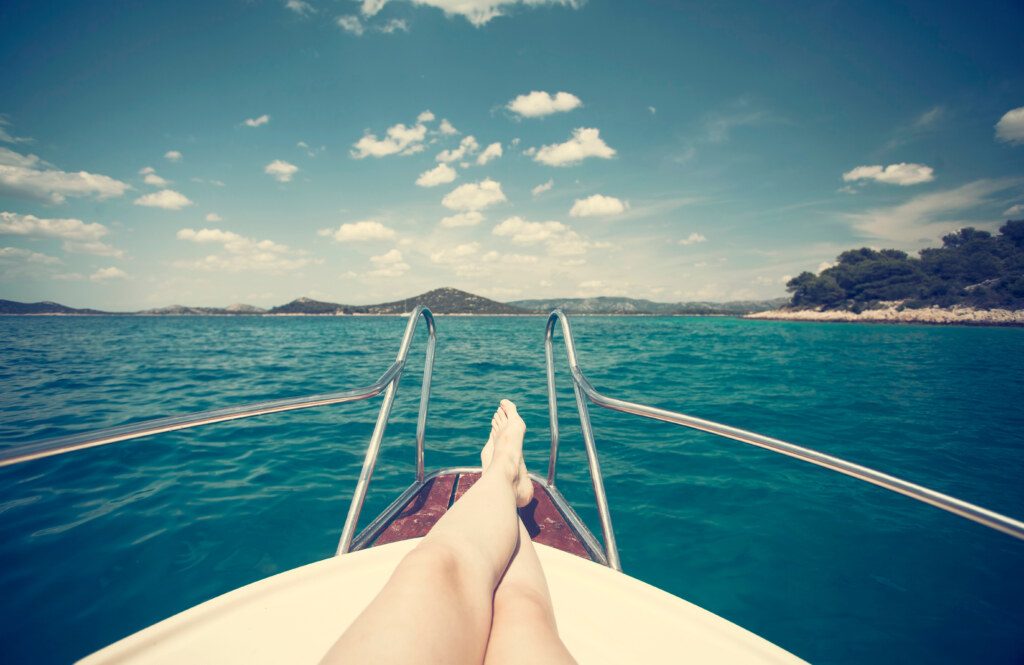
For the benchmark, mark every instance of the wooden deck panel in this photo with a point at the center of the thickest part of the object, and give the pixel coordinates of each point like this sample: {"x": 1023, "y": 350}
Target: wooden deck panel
{"x": 542, "y": 519}
{"x": 421, "y": 513}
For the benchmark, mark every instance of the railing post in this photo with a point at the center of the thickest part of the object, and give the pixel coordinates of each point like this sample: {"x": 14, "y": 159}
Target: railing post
{"x": 372, "y": 451}
{"x": 610, "y": 546}
{"x": 552, "y": 400}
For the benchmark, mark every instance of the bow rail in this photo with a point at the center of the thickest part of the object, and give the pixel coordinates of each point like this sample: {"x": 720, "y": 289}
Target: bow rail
{"x": 585, "y": 391}
{"x": 387, "y": 383}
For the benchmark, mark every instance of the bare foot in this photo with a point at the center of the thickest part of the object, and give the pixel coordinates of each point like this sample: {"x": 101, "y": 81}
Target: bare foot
{"x": 507, "y": 431}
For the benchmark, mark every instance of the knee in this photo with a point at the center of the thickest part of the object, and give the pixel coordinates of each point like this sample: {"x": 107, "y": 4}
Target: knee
{"x": 447, "y": 564}
{"x": 524, "y": 602}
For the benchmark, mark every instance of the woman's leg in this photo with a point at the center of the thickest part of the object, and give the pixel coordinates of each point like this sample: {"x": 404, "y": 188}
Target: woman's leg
{"x": 436, "y": 608}
{"x": 523, "y": 629}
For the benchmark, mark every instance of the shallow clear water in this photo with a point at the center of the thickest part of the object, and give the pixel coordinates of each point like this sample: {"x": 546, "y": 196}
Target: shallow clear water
{"x": 97, "y": 544}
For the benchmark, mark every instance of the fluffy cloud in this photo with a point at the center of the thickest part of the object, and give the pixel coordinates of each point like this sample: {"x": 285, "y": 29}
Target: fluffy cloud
{"x": 560, "y": 240}
{"x": 692, "y": 239}
{"x": 105, "y": 274}
{"x": 351, "y": 24}
{"x": 168, "y": 199}
{"x": 6, "y": 136}
{"x": 894, "y": 174}
{"x": 492, "y": 151}
{"x": 537, "y": 104}
{"x": 389, "y": 264}
{"x": 459, "y": 252}
{"x": 358, "y": 231}
{"x": 1010, "y": 127}
{"x": 474, "y": 196}
{"x": 393, "y": 25}
{"x": 280, "y": 170}
{"x": 467, "y": 146}
{"x": 439, "y": 175}
{"x": 257, "y": 122}
{"x": 426, "y": 116}
{"x": 300, "y": 7}
{"x": 399, "y": 140}
{"x": 477, "y": 12}
{"x": 1014, "y": 210}
{"x": 241, "y": 254}
{"x": 18, "y": 255}
{"x": 471, "y": 218}
{"x": 29, "y": 176}
{"x": 150, "y": 177}
{"x": 925, "y": 218}
{"x": 447, "y": 128}
{"x": 585, "y": 142}
{"x": 543, "y": 187}
{"x": 213, "y": 217}
{"x": 173, "y": 156}
{"x": 11, "y": 223}
{"x": 598, "y": 205}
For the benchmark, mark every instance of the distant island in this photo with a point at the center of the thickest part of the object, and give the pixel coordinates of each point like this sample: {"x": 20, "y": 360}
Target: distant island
{"x": 440, "y": 301}
{"x": 974, "y": 278}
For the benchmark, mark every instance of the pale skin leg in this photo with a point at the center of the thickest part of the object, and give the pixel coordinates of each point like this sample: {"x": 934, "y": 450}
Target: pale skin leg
{"x": 437, "y": 606}
{"x": 523, "y": 629}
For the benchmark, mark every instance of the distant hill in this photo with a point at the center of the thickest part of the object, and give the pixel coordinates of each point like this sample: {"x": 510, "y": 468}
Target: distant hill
{"x": 182, "y": 310}
{"x": 45, "y": 307}
{"x": 610, "y": 305}
{"x": 446, "y": 301}
{"x": 440, "y": 301}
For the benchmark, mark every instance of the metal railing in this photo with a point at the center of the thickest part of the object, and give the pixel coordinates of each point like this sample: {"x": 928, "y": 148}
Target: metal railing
{"x": 387, "y": 383}
{"x": 585, "y": 391}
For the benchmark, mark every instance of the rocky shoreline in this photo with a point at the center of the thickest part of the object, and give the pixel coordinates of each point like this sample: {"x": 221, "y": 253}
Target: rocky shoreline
{"x": 929, "y": 315}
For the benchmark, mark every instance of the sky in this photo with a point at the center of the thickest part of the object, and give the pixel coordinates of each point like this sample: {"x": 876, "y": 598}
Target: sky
{"x": 360, "y": 151}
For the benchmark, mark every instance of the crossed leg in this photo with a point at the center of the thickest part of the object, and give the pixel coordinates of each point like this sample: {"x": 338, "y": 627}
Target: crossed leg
{"x": 439, "y": 604}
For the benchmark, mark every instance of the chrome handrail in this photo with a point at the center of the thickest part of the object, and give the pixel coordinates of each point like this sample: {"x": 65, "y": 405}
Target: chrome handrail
{"x": 387, "y": 383}
{"x": 583, "y": 388}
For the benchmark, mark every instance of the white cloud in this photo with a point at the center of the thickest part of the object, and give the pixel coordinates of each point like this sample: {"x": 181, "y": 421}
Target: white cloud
{"x": 399, "y": 140}
{"x": 718, "y": 127}
{"x": 692, "y": 239}
{"x": 544, "y": 187}
{"x": 173, "y": 156}
{"x": 456, "y": 253}
{"x": 213, "y": 217}
{"x": 522, "y": 232}
{"x": 652, "y": 110}
{"x": 240, "y": 253}
{"x": 77, "y": 236}
{"x": 281, "y": 170}
{"x": 351, "y": 24}
{"x": 927, "y": 217}
{"x": 359, "y": 231}
{"x": 29, "y": 176}
{"x": 18, "y": 255}
{"x": 447, "y": 128}
{"x": 894, "y": 174}
{"x": 426, "y": 116}
{"x": 471, "y": 218}
{"x": 1010, "y": 127}
{"x": 474, "y": 196}
{"x": 393, "y": 25}
{"x": 371, "y": 7}
{"x": 12, "y": 223}
{"x": 477, "y": 12}
{"x": 439, "y": 175}
{"x": 598, "y": 205}
{"x": 467, "y": 146}
{"x": 168, "y": 199}
{"x": 150, "y": 177}
{"x": 1016, "y": 209}
{"x": 300, "y": 7}
{"x": 492, "y": 151}
{"x": 389, "y": 264}
{"x": 585, "y": 142}
{"x": 104, "y": 274}
{"x": 6, "y": 136}
{"x": 538, "y": 103}
{"x": 257, "y": 122}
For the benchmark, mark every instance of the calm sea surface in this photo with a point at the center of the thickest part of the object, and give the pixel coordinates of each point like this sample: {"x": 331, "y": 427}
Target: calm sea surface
{"x": 100, "y": 543}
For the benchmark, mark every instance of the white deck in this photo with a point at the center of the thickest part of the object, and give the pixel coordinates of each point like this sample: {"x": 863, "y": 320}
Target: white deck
{"x": 294, "y": 617}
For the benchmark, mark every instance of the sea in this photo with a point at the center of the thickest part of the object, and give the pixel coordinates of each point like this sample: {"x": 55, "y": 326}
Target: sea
{"x": 99, "y": 543}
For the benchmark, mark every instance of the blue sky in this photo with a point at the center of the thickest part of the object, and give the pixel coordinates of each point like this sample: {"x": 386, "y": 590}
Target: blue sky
{"x": 208, "y": 153}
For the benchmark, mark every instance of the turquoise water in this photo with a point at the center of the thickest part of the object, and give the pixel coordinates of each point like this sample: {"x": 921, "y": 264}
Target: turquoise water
{"x": 97, "y": 544}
